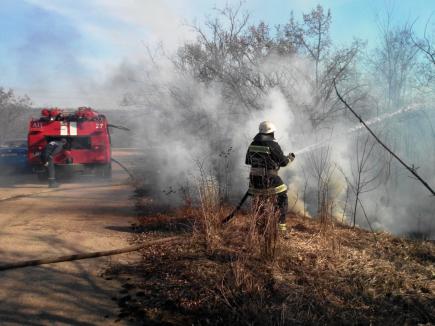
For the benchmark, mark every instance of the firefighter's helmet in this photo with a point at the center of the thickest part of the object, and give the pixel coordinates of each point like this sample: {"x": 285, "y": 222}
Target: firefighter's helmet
{"x": 266, "y": 127}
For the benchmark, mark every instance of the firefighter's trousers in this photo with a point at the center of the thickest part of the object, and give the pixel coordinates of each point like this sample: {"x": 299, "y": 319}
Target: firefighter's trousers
{"x": 282, "y": 203}
{"x": 51, "y": 173}
{"x": 271, "y": 187}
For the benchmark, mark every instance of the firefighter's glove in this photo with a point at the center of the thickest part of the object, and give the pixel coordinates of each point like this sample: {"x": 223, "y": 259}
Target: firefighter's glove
{"x": 291, "y": 156}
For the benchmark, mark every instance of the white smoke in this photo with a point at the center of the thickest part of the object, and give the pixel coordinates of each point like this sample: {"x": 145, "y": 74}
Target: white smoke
{"x": 182, "y": 124}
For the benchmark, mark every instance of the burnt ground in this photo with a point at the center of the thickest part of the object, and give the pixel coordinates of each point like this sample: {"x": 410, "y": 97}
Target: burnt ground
{"x": 322, "y": 274}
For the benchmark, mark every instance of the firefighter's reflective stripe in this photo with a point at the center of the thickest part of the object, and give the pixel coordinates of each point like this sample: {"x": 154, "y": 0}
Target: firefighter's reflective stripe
{"x": 268, "y": 191}
{"x": 73, "y": 128}
{"x": 63, "y": 129}
{"x": 262, "y": 172}
{"x": 259, "y": 149}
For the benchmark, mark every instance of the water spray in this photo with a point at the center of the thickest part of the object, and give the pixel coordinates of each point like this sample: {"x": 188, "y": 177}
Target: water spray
{"x": 386, "y": 116}
{"x": 409, "y": 168}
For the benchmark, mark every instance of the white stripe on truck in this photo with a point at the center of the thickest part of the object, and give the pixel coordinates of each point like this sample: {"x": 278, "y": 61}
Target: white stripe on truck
{"x": 73, "y": 128}
{"x": 63, "y": 129}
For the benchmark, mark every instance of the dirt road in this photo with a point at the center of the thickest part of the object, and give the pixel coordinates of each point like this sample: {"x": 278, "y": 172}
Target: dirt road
{"x": 79, "y": 216}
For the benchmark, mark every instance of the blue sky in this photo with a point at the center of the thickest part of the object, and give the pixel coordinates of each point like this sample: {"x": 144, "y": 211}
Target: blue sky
{"x": 52, "y": 49}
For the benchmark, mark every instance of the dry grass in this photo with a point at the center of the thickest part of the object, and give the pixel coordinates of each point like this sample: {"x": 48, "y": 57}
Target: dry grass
{"x": 208, "y": 221}
{"x": 244, "y": 274}
{"x": 263, "y": 232}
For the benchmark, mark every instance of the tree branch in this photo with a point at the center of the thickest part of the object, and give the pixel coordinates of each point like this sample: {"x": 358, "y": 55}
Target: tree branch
{"x": 410, "y": 169}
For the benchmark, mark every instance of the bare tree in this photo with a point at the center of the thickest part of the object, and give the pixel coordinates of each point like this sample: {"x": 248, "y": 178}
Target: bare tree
{"x": 322, "y": 169}
{"x": 227, "y": 50}
{"x": 426, "y": 46}
{"x": 394, "y": 61}
{"x": 241, "y": 63}
{"x": 426, "y": 43}
{"x": 367, "y": 169}
{"x": 311, "y": 38}
{"x": 395, "y": 69}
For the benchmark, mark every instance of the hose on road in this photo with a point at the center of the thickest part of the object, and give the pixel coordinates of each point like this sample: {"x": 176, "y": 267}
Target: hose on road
{"x": 85, "y": 255}
{"x": 124, "y": 168}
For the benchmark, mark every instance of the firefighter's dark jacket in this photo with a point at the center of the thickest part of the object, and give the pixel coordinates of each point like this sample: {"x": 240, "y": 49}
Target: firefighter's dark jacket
{"x": 51, "y": 150}
{"x": 264, "y": 152}
{"x": 54, "y": 147}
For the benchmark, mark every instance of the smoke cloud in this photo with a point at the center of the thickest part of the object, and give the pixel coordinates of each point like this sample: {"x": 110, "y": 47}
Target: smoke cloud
{"x": 184, "y": 125}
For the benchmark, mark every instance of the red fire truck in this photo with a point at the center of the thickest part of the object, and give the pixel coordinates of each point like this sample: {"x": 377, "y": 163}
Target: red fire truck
{"x": 87, "y": 138}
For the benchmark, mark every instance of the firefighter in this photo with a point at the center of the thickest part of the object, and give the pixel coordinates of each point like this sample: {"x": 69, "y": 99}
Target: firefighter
{"x": 51, "y": 150}
{"x": 265, "y": 157}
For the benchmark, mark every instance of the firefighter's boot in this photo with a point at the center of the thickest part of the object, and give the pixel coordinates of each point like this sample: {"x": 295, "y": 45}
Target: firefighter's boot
{"x": 282, "y": 227}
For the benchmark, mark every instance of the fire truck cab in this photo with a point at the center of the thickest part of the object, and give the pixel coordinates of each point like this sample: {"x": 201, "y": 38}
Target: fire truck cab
{"x": 87, "y": 147}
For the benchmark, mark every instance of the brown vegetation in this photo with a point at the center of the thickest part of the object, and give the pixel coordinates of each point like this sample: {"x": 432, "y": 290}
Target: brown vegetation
{"x": 324, "y": 274}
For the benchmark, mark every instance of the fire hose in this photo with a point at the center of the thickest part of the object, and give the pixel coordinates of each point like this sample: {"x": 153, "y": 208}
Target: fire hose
{"x": 123, "y": 167}
{"x": 291, "y": 156}
{"x": 85, "y": 255}
{"x": 229, "y": 217}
